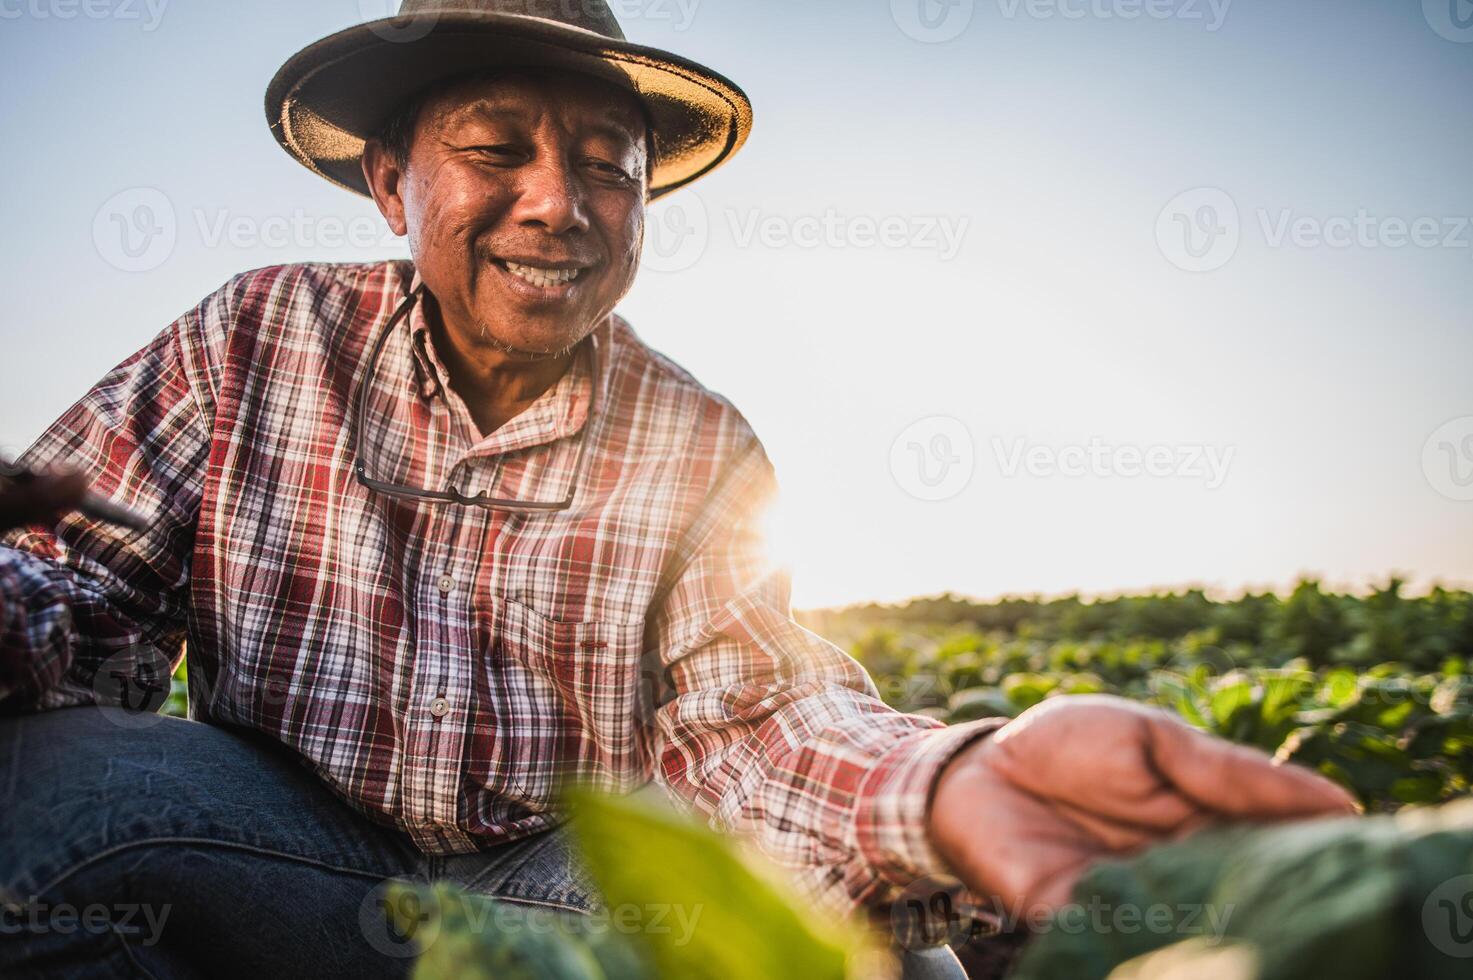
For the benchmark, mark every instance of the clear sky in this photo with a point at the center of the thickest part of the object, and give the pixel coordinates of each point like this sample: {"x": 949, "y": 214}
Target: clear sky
{"x": 1021, "y": 296}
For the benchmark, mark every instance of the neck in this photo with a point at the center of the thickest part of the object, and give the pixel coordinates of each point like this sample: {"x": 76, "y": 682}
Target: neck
{"x": 496, "y": 385}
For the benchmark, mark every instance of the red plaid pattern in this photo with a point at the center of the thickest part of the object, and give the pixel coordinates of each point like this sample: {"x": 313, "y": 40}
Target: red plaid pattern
{"x": 443, "y": 668}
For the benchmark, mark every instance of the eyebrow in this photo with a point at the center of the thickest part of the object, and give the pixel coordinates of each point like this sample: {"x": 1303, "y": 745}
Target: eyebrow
{"x": 486, "y": 108}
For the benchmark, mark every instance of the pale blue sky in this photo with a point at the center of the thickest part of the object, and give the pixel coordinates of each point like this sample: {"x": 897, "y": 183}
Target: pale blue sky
{"x": 1054, "y": 319}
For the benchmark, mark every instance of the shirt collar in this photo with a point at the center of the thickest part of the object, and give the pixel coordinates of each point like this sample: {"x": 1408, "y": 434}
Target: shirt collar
{"x": 432, "y": 374}
{"x": 561, "y": 411}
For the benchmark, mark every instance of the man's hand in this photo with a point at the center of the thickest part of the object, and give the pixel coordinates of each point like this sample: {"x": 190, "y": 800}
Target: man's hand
{"x": 1020, "y": 815}
{"x": 40, "y": 499}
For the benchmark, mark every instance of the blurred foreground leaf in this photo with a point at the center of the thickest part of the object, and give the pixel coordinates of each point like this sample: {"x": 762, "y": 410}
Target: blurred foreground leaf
{"x": 654, "y": 864}
{"x": 1354, "y": 899}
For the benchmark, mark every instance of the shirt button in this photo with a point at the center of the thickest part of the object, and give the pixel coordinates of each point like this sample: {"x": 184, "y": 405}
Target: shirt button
{"x": 439, "y": 707}
{"x": 447, "y": 584}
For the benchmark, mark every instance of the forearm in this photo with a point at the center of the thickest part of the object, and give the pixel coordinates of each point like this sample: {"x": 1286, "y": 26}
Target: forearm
{"x": 805, "y": 760}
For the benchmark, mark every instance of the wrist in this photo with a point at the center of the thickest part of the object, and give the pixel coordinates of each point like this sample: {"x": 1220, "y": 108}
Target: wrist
{"x": 950, "y": 819}
{"x": 891, "y": 822}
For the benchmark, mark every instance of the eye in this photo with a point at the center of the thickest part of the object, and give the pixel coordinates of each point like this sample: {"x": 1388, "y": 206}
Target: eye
{"x": 500, "y": 153}
{"x": 605, "y": 169}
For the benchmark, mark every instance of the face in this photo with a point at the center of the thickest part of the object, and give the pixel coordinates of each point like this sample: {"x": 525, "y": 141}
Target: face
{"x": 523, "y": 201}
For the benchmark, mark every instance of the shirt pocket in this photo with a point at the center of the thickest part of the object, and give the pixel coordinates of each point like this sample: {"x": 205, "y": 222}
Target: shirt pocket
{"x": 568, "y": 703}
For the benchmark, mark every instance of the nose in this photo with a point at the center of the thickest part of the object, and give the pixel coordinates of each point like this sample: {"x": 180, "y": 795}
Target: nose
{"x": 552, "y": 198}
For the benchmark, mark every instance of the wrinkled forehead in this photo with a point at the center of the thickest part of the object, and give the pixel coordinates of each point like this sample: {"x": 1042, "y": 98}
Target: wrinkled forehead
{"x": 578, "y": 103}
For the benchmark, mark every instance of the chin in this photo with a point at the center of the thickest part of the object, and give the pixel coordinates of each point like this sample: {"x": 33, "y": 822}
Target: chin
{"x": 537, "y": 341}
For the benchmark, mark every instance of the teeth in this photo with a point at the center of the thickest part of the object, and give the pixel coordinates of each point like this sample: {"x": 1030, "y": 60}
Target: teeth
{"x": 542, "y": 277}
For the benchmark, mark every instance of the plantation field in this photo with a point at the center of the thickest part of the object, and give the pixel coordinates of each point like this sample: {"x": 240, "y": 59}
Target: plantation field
{"x": 1376, "y": 691}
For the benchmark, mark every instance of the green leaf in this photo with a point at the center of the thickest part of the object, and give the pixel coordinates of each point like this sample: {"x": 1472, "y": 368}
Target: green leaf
{"x": 1026, "y": 690}
{"x": 1341, "y": 898}
{"x": 663, "y": 868}
{"x": 1229, "y": 697}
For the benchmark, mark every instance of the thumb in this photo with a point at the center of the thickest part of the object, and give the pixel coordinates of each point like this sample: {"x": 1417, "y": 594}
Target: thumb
{"x": 1238, "y": 781}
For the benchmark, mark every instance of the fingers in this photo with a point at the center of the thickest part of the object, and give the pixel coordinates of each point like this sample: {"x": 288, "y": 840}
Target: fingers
{"x": 1092, "y": 755}
{"x": 1237, "y": 781}
{"x": 40, "y": 499}
{"x": 1122, "y": 835}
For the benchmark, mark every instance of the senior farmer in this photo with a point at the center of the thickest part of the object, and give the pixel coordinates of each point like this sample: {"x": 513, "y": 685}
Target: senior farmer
{"x": 446, "y": 532}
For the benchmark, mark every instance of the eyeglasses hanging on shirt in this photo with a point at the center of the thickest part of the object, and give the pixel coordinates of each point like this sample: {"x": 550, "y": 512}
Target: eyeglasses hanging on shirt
{"x": 451, "y": 494}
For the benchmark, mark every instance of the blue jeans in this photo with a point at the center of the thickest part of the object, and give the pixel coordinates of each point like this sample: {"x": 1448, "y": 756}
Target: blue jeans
{"x": 172, "y": 849}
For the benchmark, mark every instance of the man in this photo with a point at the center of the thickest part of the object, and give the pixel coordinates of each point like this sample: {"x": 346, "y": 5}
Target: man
{"x": 449, "y": 535}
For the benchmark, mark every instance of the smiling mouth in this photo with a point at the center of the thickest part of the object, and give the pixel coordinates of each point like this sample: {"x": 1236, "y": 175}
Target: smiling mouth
{"x": 541, "y": 276}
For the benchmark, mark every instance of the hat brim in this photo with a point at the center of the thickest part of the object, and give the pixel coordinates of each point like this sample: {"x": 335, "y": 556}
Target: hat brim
{"x": 331, "y": 96}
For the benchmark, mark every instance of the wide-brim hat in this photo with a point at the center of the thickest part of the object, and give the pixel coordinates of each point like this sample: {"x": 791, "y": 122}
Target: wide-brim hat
{"x": 333, "y": 95}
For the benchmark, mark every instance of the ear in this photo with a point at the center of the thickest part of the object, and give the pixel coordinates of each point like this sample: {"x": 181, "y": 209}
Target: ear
{"x": 385, "y": 178}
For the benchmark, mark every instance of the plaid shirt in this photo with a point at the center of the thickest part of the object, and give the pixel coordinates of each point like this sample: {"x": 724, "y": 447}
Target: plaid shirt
{"x": 443, "y": 668}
